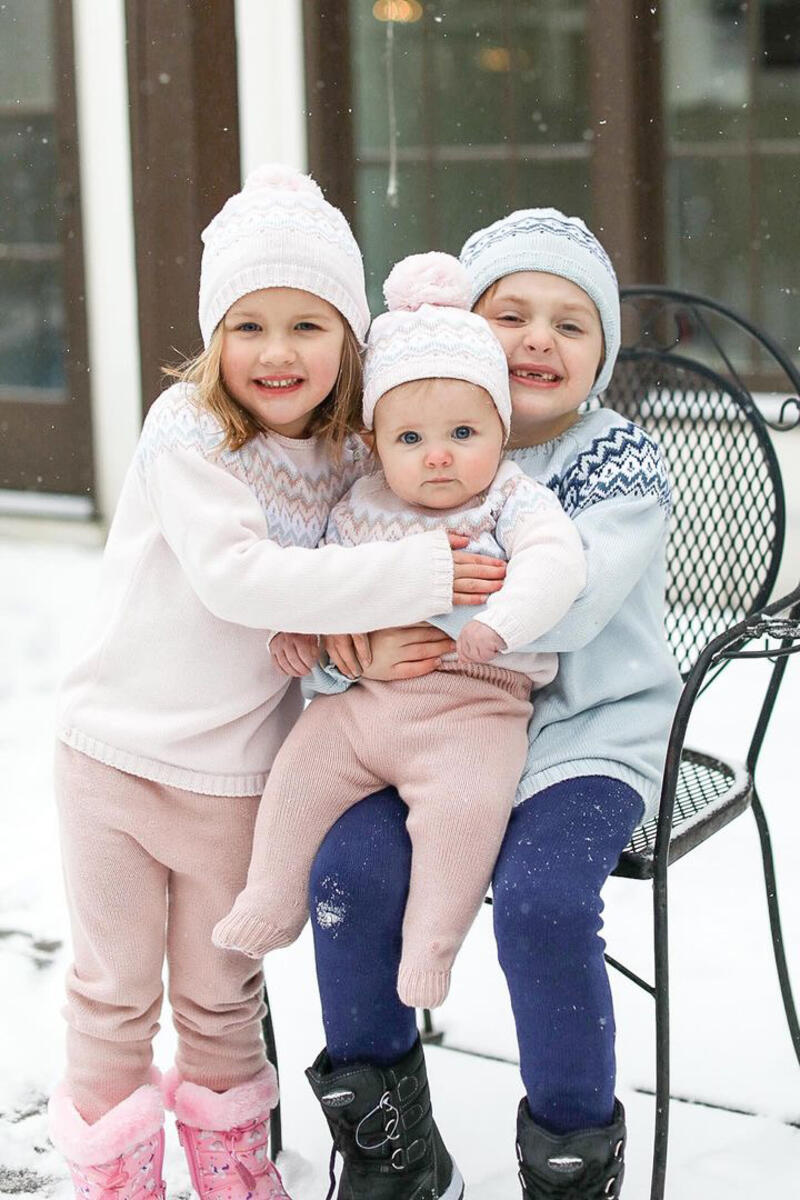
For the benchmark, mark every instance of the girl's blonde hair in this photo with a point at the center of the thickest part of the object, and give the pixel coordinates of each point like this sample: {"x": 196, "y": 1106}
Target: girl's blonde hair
{"x": 338, "y": 415}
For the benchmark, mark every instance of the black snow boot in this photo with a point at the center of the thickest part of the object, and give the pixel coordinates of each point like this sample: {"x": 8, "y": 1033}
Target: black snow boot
{"x": 587, "y": 1165}
{"x": 381, "y": 1123}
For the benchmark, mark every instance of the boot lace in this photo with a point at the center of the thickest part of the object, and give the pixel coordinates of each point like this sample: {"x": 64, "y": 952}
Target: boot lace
{"x": 112, "y": 1177}
{"x": 243, "y": 1140}
{"x": 361, "y": 1140}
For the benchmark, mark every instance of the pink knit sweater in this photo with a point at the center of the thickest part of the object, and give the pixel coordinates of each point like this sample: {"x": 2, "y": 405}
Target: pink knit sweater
{"x": 208, "y": 549}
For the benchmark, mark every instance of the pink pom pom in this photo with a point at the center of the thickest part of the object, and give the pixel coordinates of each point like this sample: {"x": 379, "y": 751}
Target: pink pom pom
{"x": 432, "y": 278}
{"x": 282, "y": 177}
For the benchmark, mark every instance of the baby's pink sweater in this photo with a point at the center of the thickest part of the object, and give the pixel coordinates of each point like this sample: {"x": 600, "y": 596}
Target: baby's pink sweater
{"x": 515, "y": 519}
{"x": 209, "y": 549}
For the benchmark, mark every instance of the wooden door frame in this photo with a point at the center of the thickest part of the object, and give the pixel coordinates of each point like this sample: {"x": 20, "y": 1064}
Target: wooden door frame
{"x": 184, "y": 125}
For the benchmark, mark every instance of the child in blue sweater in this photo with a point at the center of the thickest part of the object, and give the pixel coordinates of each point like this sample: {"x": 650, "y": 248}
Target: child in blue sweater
{"x": 597, "y": 745}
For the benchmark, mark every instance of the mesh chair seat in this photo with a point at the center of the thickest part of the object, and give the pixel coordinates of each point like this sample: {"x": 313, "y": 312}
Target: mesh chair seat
{"x": 710, "y": 793}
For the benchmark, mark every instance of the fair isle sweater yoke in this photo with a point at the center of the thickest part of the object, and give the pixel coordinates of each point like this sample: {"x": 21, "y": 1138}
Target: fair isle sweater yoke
{"x": 516, "y": 520}
{"x": 610, "y": 708}
{"x": 208, "y": 549}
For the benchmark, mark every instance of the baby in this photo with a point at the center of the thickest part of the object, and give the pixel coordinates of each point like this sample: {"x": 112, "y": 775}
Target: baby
{"x": 454, "y": 742}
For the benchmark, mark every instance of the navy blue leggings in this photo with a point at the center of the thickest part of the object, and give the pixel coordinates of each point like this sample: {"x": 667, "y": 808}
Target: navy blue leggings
{"x": 559, "y": 849}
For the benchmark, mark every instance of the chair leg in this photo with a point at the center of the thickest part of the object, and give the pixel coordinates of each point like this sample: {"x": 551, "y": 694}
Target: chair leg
{"x": 661, "y": 967}
{"x": 275, "y": 1133}
{"x": 775, "y": 923}
{"x": 429, "y": 1033}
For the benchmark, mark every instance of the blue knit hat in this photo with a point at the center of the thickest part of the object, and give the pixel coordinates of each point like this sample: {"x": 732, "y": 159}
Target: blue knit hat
{"x": 543, "y": 239}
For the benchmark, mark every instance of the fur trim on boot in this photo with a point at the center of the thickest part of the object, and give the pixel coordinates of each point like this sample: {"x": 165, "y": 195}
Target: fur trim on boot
{"x": 203, "y": 1109}
{"x": 121, "y": 1154}
{"x": 132, "y": 1121}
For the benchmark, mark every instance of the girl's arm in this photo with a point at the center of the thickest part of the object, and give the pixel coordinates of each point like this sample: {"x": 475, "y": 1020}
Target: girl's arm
{"x": 620, "y": 537}
{"x": 217, "y": 530}
{"x": 546, "y": 568}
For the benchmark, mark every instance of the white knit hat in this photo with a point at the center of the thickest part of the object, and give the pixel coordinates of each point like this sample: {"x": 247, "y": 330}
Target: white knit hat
{"x": 429, "y": 333}
{"x": 280, "y": 231}
{"x": 543, "y": 239}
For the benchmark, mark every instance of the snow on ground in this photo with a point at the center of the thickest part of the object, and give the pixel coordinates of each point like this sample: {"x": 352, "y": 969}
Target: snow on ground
{"x": 736, "y": 1117}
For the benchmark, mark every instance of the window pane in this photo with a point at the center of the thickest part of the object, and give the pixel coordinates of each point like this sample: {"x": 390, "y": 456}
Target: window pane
{"x": 31, "y": 325}
{"x": 475, "y": 82}
{"x": 778, "y": 81}
{"x": 472, "y": 72}
{"x": 778, "y": 261}
{"x": 28, "y": 179}
{"x": 368, "y": 48}
{"x": 707, "y": 228}
{"x": 31, "y": 287}
{"x": 386, "y": 233}
{"x": 706, "y": 69}
{"x": 26, "y": 54}
{"x": 563, "y": 185}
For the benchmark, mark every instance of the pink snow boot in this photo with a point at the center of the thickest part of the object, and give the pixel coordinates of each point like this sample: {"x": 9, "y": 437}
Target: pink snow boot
{"x": 119, "y": 1157}
{"x": 225, "y": 1136}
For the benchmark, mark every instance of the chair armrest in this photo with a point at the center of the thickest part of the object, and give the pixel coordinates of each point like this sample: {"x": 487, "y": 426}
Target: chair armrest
{"x": 779, "y": 620}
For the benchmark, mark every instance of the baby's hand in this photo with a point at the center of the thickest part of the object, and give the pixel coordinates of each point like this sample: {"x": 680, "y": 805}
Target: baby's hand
{"x": 294, "y": 653}
{"x": 478, "y": 643}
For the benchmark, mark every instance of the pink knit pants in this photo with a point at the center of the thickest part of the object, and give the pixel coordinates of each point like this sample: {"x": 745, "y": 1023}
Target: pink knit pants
{"x": 148, "y": 871}
{"x": 454, "y": 746}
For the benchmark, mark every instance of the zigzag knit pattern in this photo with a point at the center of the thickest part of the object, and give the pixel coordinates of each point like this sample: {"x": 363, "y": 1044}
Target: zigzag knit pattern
{"x": 392, "y": 340}
{"x": 371, "y": 513}
{"x": 295, "y": 502}
{"x": 274, "y": 216}
{"x": 623, "y": 463}
{"x": 557, "y": 225}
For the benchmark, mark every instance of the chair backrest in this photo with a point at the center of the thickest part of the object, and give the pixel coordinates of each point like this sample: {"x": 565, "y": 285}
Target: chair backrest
{"x": 679, "y": 375}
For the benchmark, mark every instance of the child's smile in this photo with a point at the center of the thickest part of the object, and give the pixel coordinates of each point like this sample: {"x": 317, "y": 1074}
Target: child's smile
{"x": 552, "y": 336}
{"x": 281, "y": 353}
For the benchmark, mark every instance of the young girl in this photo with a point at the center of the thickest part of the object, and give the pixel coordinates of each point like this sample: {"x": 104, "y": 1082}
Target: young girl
{"x": 169, "y": 724}
{"x": 597, "y": 737}
{"x": 437, "y": 400}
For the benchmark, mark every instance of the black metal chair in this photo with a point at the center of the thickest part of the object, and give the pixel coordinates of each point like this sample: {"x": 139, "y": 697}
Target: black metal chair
{"x": 680, "y": 376}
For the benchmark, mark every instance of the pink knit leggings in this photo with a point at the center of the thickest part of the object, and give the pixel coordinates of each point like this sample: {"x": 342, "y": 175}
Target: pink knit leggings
{"x": 454, "y": 746}
{"x": 148, "y": 871}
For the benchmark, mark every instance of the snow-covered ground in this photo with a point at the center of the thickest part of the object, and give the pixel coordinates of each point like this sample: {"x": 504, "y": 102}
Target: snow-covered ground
{"x": 736, "y": 1113}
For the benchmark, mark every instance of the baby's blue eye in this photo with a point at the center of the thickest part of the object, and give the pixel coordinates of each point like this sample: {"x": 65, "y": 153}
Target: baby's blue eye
{"x": 247, "y": 326}
{"x": 462, "y": 432}
{"x": 409, "y": 438}
{"x": 304, "y": 326}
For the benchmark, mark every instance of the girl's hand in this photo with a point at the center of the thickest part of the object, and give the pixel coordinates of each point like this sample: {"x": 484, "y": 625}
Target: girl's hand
{"x": 408, "y": 652}
{"x": 478, "y": 643}
{"x": 294, "y": 653}
{"x": 349, "y": 653}
{"x": 475, "y": 576}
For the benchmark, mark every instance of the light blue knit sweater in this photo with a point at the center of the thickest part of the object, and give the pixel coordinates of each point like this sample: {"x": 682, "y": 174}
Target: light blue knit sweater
{"x": 610, "y": 707}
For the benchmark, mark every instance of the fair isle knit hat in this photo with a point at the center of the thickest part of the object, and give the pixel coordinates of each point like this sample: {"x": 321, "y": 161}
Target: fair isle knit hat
{"x": 430, "y": 333}
{"x": 543, "y": 239}
{"x": 280, "y": 231}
